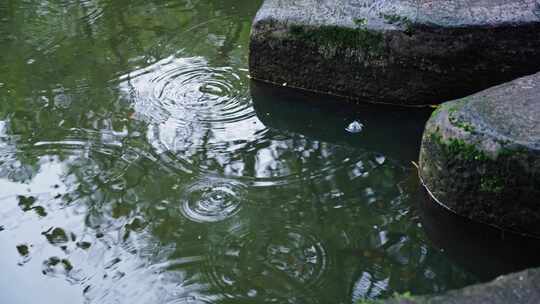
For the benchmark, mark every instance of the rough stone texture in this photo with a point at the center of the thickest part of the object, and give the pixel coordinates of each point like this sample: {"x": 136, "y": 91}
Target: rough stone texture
{"x": 519, "y": 288}
{"x": 395, "y": 51}
{"x": 480, "y": 155}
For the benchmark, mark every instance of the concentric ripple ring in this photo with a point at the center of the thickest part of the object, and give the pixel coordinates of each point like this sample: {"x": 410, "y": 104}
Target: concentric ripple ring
{"x": 212, "y": 200}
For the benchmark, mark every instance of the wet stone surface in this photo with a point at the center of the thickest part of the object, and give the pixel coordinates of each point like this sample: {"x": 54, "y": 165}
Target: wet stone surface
{"x": 518, "y": 288}
{"x": 399, "y": 52}
{"x": 480, "y": 155}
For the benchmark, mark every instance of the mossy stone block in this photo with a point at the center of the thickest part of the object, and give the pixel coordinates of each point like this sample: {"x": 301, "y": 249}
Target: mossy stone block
{"x": 480, "y": 156}
{"x": 395, "y": 51}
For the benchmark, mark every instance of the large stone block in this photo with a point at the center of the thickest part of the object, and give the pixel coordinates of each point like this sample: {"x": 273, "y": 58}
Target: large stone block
{"x": 395, "y": 51}
{"x": 480, "y": 156}
{"x": 518, "y": 288}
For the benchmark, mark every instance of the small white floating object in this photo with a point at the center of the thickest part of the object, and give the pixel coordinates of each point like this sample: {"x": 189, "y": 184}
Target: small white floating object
{"x": 380, "y": 159}
{"x": 284, "y": 84}
{"x": 355, "y": 127}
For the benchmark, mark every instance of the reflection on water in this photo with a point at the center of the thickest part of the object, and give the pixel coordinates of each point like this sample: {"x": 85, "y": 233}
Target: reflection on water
{"x": 269, "y": 266}
{"x": 391, "y": 131}
{"x": 137, "y": 166}
{"x": 484, "y": 250}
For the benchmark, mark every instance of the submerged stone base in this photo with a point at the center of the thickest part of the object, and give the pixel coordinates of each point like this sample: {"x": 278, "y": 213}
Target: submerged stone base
{"x": 519, "y": 288}
{"x": 480, "y": 156}
{"x": 400, "y": 52}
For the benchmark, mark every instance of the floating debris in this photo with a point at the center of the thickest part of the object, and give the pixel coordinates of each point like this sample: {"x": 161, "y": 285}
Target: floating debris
{"x": 355, "y": 127}
{"x": 380, "y": 159}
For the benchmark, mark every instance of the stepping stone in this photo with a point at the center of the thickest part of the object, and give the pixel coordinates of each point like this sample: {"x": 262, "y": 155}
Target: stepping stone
{"x": 517, "y": 288}
{"x": 480, "y": 156}
{"x": 405, "y": 52}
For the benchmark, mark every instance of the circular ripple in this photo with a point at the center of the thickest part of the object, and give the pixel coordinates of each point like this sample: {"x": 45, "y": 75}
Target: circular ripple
{"x": 208, "y": 94}
{"x": 267, "y": 263}
{"x": 189, "y": 300}
{"x": 199, "y": 115}
{"x": 213, "y": 200}
{"x": 201, "y": 121}
{"x": 300, "y": 257}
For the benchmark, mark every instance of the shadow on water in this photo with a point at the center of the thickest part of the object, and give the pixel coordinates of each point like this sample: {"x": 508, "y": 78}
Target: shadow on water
{"x": 486, "y": 251}
{"x": 392, "y": 131}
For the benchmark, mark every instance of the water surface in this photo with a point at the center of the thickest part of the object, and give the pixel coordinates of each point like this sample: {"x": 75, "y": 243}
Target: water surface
{"x": 138, "y": 165}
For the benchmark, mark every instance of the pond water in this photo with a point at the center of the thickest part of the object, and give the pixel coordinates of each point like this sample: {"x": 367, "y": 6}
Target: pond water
{"x": 139, "y": 164}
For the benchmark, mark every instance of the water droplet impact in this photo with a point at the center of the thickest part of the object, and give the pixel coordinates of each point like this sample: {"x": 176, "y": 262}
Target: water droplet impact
{"x": 213, "y": 200}
{"x": 297, "y": 256}
{"x": 355, "y": 127}
{"x": 287, "y": 258}
{"x": 193, "y": 108}
{"x": 189, "y": 89}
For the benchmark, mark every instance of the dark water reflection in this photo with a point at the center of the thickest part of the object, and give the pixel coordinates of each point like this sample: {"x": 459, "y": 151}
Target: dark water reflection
{"x": 136, "y": 167}
{"x": 391, "y": 131}
{"x": 481, "y": 249}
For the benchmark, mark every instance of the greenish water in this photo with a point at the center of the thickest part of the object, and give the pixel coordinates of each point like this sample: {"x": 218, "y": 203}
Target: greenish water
{"x": 139, "y": 165}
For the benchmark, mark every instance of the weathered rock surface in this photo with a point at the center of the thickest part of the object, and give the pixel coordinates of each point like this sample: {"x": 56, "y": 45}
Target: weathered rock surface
{"x": 395, "y": 51}
{"x": 480, "y": 155}
{"x": 519, "y": 288}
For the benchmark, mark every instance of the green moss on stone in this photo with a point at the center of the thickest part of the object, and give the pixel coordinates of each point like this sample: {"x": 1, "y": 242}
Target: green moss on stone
{"x": 458, "y": 148}
{"x": 467, "y": 151}
{"x": 461, "y": 124}
{"x": 456, "y": 105}
{"x": 450, "y": 107}
{"x": 492, "y": 184}
{"x": 364, "y": 39}
{"x": 454, "y": 119}
{"x": 436, "y": 111}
